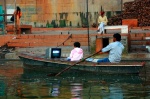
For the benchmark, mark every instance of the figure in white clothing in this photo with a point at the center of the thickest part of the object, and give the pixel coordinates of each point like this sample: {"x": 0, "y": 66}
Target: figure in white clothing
{"x": 115, "y": 50}
{"x": 102, "y": 21}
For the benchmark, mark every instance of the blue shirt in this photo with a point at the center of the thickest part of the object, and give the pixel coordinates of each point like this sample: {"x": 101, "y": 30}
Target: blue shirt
{"x": 115, "y": 53}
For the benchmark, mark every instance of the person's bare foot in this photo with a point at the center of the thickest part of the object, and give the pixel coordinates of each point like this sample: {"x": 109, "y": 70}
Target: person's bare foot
{"x": 99, "y": 33}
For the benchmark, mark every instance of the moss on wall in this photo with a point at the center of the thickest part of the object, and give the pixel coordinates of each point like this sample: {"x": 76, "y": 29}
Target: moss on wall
{"x": 93, "y": 47}
{"x": 40, "y": 11}
{"x": 125, "y": 51}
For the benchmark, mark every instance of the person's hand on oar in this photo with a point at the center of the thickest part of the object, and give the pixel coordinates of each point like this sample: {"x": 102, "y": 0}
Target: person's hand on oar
{"x": 72, "y": 65}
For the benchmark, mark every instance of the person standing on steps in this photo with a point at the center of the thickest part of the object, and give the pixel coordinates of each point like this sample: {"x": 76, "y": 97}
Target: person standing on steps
{"x": 18, "y": 15}
{"x": 102, "y": 21}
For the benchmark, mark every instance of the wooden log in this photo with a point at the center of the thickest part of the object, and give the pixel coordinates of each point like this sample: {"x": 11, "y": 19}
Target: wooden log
{"x": 138, "y": 9}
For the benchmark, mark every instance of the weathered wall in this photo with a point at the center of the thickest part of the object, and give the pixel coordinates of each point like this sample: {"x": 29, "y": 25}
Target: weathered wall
{"x": 73, "y": 12}
{"x": 1, "y": 2}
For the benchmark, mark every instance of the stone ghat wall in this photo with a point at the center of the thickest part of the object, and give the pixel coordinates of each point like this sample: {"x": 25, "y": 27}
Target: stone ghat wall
{"x": 62, "y": 13}
{"x": 47, "y": 40}
{"x": 38, "y": 43}
{"x": 5, "y": 39}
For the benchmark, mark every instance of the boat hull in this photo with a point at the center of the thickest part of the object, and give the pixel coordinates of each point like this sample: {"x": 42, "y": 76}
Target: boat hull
{"x": 111, "y": 68}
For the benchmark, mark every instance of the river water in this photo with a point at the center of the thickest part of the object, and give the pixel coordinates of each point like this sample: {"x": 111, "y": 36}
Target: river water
{"x": 20, "y": 82}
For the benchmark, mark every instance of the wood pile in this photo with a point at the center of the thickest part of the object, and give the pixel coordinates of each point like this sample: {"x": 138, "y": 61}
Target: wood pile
{"x": 138, "y": 9}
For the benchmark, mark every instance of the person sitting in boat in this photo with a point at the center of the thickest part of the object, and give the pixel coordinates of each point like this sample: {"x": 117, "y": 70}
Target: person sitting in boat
{"x": 115, "y": 50}
{"x": 76, "y": 54}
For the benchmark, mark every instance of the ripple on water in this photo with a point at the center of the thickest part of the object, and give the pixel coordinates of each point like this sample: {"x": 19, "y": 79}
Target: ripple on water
{"x": 71, "y": 84}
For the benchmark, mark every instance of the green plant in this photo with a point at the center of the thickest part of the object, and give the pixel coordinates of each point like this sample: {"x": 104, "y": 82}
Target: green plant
{"x": 34, "y": 24}
{"x": 70, "y": 23}
{"x": 47, "y": 24}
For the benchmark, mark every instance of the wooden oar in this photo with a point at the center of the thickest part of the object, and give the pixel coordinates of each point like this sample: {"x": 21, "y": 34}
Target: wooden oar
{"x": 70, "y": 36}
{"x": 74, "y": 64}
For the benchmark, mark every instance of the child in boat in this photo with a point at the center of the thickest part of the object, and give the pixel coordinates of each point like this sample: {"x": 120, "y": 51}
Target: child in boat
{"x": 76, "y": 54}
{"x": 115, "y": 51}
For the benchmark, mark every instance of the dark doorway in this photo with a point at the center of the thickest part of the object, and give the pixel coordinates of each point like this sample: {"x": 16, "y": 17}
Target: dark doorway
{"x": 105, "y": 42}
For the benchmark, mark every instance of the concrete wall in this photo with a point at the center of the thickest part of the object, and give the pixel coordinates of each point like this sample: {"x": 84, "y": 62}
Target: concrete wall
{"x": 40, "y": 12}
{"x": 1, "y": 2}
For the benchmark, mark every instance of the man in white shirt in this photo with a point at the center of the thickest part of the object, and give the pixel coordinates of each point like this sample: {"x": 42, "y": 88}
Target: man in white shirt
{"x": 115, "y": 50}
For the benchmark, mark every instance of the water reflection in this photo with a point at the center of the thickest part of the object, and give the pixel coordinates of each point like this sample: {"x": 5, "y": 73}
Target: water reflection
{"x": 55, "y": 89}
{"x": 2, "y": 88}
{"x": 76, "y": 90}
{"x": 114, "y": 92}
{"x": 19, "y": 82}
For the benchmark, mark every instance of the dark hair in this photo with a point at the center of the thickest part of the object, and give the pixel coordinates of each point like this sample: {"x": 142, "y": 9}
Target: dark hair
{"x": 102, "y": 13}
{"x": 18, "y": 8}
{"x": 18, "y": 11}
{"x": 77, "y": 44}
{"x": 117, "y": 36}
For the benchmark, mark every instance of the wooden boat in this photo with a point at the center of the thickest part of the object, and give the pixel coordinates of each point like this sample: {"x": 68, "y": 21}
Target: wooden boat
{"x": 60, "y": 63}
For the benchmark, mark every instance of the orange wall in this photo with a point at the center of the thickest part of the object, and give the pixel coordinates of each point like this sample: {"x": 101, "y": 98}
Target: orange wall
{"x": 41, "y": 11}
{"x": 5, "y": 39}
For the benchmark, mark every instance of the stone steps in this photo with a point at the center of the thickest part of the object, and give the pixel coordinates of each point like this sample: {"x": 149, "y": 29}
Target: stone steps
{"x": 39, "y": 43}
{"x": 139, "y": 41}
{"x": 139, "y": 50}
{"x": 48, "y": 40}
{"x": 5, "y": 39}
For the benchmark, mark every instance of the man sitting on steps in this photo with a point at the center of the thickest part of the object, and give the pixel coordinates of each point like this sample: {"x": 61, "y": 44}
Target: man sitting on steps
{"x": 102, "y": 20}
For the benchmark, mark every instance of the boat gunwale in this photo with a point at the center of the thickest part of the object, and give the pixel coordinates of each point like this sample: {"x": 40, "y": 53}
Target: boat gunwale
{"x": 36, "y": 58}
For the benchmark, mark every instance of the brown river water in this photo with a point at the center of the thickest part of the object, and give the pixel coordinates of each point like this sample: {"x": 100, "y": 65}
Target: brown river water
{"x": 20, "y": 82}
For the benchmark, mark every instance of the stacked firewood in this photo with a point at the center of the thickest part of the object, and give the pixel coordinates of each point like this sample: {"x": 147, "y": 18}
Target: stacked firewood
{"x": 138, "y": 9}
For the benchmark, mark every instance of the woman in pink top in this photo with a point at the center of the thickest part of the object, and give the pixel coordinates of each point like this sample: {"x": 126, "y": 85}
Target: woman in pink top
{"x": 77, "y": 53}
